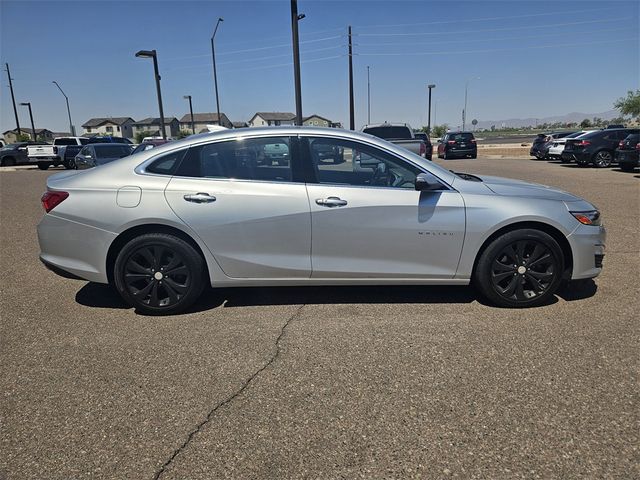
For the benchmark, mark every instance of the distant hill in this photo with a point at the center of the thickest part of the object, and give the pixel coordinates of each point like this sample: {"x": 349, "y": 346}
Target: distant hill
{"x": 569, "y": 117}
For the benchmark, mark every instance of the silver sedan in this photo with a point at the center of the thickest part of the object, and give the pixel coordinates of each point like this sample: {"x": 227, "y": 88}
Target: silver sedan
{"x": 270, "y": 206}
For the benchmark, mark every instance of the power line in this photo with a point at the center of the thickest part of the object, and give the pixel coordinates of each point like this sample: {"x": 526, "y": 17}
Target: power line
{"x": 546, "y": 35}
{"x": 556, "y": 45}
{"x": 586, "y": 22}
{"x": 485, "y": 19}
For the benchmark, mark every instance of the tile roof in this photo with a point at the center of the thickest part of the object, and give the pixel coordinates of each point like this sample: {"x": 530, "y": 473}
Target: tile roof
{"x": 95, "y": 122}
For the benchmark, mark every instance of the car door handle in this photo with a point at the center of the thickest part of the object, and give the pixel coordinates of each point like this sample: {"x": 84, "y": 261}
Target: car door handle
{"x": 331, "y": 202}
{"x": 199, "y": 197}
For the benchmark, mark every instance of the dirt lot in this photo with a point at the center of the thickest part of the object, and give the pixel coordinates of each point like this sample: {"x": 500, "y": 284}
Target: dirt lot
{"x": 344, "y": 382}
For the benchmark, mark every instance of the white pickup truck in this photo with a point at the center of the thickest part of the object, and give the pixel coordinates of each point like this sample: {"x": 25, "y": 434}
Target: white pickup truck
{"x": 401, "y": 134}
{"x": 62, "y": 152}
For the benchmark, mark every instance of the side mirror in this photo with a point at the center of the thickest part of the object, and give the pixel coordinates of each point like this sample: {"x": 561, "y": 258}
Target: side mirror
{"x": 424, "y": 183}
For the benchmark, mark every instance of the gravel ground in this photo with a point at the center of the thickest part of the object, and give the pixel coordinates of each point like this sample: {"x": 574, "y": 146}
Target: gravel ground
{"x": 402, "y": 382}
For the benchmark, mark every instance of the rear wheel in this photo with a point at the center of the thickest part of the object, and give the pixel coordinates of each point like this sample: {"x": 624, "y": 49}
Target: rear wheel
{"x": 474, "y": 155}
{"x": 522, "y": 268}
{"x": 603, "y": 159}
{"x": 159, "y": 274}
{"x": 44, "y": 165}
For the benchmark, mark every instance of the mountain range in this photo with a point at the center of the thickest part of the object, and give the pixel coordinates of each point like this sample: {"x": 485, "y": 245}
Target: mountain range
{"x": 525, "y": 122}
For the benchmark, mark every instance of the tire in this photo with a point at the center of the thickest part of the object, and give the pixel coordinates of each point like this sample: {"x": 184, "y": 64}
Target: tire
{"x": 446, "y": 156}
{"x": 44, "y": 165}
{"x": 474, "y": 155}
{"x": 602, "y": 159}
{"x": 159, "y": 274}
{"x": 519, "y": 269}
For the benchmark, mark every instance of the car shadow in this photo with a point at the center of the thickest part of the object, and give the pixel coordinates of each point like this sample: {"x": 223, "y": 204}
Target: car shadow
{"x": 578, "y": 290}
{"x": 104, "y": 296}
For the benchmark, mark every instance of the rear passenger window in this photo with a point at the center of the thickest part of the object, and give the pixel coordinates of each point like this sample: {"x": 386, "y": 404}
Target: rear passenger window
{"x": 265, "y": 159}
{"x": 166, "y": 164}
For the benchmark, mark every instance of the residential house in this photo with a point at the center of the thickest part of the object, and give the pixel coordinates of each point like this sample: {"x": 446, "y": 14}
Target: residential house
{"x": 240, "y": 124}
{"x": 201, "y": 120}
{"x": 42, "y": 134}
{"x": 111, "y": 126}
{"x": 316, "y": 121}
{"x": 261, "y": 119}
{"x": 151, "y": 127}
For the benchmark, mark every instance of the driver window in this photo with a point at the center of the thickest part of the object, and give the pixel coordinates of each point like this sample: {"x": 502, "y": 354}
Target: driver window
{"x": 343, "y": 162}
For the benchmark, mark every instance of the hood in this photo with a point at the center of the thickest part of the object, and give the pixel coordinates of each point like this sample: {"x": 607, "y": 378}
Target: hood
{"x": 518, "y": 188}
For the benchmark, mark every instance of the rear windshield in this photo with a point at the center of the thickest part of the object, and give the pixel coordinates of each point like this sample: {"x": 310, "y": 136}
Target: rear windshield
{"x": 461, "y": 137}
{"x": 396, "y": 133}
{"x": 112, "y": 151}
{"x": 65, "y": 141}
{"x": 574, "y": 135}
{"x": 634, "y": 137}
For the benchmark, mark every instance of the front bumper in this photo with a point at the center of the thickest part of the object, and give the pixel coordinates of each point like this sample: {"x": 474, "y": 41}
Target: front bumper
{"x": 588, "y": 247}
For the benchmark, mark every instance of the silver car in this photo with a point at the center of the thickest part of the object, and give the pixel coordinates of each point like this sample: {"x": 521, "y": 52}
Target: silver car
{"x": 219, "y": 209}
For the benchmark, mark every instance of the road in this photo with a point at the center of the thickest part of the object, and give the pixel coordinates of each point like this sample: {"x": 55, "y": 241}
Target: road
{"x": 400, "y": 382}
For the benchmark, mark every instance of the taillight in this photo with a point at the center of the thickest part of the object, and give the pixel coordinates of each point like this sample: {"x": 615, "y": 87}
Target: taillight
{"x": 51, "y": 199}
{"x": 423, "y": 148}
{"x": 638, "y": 146}
{"x": 621, "y": 143}
{"x": 584, "y": 143}
{"x": 473, "y": 140}
{"x": 451, "y": 142}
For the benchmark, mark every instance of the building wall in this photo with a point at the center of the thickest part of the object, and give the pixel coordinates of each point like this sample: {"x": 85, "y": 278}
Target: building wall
{"x": 316, "y": 122}
{"x": 12, "y": 137}
{"x": 110, "y": 129}
{"x": 258, "y": 121}
{"x": 172, "y": 129}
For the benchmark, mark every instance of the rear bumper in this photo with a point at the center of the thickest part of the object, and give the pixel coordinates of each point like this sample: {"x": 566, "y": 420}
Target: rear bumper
{"x": 461, "y": 152}
{"x": 588, "y": 248}
{"x": 74, "y": 250}
{"x": 627, "y": 157}
{"x": 573, "y": 156}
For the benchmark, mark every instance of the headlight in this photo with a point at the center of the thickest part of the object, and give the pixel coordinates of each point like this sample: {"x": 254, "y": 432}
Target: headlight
{"x": 592, "y": 217}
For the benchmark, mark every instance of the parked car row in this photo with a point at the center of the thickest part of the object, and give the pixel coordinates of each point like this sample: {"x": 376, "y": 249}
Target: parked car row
{"x": 600, "y": 148}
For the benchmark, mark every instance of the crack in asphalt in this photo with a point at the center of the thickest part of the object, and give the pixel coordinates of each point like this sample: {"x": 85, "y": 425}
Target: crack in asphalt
{"x": 244, "y": 386}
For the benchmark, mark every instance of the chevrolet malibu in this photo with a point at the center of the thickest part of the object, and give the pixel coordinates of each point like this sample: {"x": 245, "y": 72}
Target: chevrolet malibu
{"x": 218, "y": 209}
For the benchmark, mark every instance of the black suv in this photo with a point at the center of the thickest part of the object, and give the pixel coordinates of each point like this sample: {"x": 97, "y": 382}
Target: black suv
{"x": 457, "y": 144}
{"x": 596, "y": 147}
{"x": 628, "y": 152}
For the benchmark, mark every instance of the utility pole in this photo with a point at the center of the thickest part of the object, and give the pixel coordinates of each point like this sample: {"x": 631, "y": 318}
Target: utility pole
{"x": 193, "y": 125}
{"x": 352, "y": 118}
{"x": 368, "y": 97}
{"x": 295, "y": 18}
{"x": 33, "y": 127}
{"x": 13, "y": 99}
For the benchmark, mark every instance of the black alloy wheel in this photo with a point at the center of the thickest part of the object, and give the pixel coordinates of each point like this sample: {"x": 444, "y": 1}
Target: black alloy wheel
{"x": 520, "y": 269}
{"x": 159, "y": 274}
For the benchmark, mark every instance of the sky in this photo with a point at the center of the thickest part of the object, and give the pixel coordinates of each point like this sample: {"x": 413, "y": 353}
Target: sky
{"x": 516, "y": 58}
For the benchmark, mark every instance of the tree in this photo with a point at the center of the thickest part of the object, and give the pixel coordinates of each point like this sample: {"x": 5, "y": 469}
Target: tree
{"x": 183, "y": 134}
{"x": 141, "y": 135}
{"x": 23, "y": 137}
{"x": 438, "y": 131}
{"x": 586, "y": 123}
{"x": 629, "y": 105}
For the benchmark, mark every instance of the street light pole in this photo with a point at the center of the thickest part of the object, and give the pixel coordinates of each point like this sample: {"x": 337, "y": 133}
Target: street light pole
{"x": 295, "y": 18}
{"x": 215, "y": 73}
{"x": 368, "y": 97}
{"x": 33, "y": 128}
{"x": 13, "y": 99}
{"x": 153, "y": 54}
{"x": 464, "y": 112}
{"x": 352, "y": 115}
{"x": 430, "y": 87}
{"x": 71, "y": 127}
{"x": 193, "y": 125}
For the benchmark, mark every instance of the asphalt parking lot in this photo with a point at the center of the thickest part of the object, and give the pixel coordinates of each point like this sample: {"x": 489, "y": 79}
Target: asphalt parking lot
{"x": 323, "y": 382}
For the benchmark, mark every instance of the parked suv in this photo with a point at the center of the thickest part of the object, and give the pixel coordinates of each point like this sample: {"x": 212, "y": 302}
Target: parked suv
{"x": 457, "y": 144}
{"x": 628, "y": 152}
{"x": 596, "y": 147}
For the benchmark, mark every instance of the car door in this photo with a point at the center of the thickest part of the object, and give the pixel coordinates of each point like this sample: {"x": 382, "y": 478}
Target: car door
{"x": 250, "y": 210}
{"x": 368, "y": 221}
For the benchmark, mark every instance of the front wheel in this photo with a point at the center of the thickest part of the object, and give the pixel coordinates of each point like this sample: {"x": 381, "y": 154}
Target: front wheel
{"x": 603, "y": 159}
{"x": 522, "y": 268}
{"x": 44, "y": 165}
{"x": 159, "y": 274}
